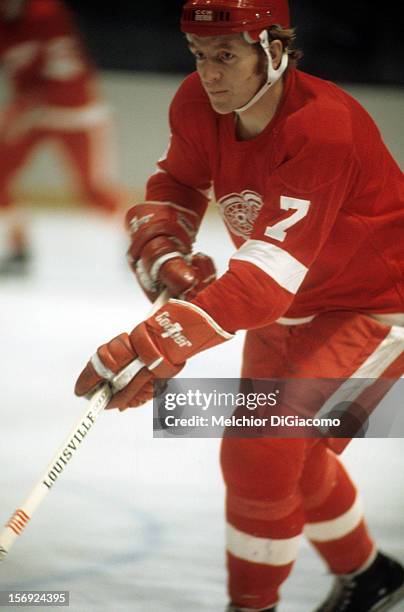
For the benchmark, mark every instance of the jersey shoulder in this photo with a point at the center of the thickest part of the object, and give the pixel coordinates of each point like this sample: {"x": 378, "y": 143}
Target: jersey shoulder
{"x": 315, "y": 136}
{"x": 325, "y": 135}
{"x": 319, "y": 113}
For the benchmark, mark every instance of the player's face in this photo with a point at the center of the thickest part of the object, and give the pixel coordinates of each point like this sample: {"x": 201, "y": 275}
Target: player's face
{"x": 228, "y": 68}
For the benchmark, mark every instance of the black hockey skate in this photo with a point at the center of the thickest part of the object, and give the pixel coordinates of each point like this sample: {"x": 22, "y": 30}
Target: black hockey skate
{"x": 15, "y": 264}
{"x": 376, "y": 589}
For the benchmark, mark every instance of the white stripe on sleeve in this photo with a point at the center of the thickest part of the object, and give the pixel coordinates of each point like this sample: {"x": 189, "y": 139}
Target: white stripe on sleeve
{"x": 285, "y": 269}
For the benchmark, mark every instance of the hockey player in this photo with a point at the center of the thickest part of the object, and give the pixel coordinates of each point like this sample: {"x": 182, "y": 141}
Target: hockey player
{"x": 314, "y": 204}
{"x": 53, "y": 95}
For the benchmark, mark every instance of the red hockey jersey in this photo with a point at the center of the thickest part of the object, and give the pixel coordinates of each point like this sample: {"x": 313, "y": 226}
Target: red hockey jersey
{"x": 314, "y": 204}
{"x": 43, "y": 58}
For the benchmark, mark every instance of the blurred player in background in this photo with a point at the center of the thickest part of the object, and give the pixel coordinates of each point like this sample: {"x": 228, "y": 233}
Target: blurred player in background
{"x": 314, "y": 204}
{"x": 53, "y": 95}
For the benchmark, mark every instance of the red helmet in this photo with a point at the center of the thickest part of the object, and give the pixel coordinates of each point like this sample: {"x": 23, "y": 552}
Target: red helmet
{"x": 216, "y": 17}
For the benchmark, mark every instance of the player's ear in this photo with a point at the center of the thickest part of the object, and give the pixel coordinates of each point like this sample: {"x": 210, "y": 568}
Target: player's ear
{"x": 276, "y": 50}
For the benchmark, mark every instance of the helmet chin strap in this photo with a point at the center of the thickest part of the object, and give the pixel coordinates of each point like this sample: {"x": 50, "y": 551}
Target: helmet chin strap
{"x": 272, "y": 75}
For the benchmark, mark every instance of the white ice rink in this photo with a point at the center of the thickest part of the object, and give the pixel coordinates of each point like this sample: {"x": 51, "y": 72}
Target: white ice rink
{"x": 134, "y": 524}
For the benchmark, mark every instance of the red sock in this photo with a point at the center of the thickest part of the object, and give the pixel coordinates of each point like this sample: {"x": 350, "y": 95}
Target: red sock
{"x": 264, "y": 516}
{"x": 335, "y": 524}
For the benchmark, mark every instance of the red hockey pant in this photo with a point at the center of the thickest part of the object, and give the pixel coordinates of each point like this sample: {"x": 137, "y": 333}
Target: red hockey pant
{"x": 278, "y": 489}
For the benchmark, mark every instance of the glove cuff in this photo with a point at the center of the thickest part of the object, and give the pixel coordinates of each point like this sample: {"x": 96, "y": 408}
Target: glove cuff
{"x": 180, "y": 330}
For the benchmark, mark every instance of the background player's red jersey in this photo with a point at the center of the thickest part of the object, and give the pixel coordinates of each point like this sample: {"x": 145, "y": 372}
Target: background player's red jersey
{"x": 53, "y": 96}
{"x": 43, "y": 58}
{"x": 316, "y": 229}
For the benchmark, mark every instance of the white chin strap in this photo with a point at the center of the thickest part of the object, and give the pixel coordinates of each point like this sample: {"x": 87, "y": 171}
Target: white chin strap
{"x": 272, "y": 75}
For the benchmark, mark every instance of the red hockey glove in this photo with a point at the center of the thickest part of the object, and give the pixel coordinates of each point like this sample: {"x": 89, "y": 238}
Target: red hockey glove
{"x": 157, "y": 348}
{"x": 162, "y": 235}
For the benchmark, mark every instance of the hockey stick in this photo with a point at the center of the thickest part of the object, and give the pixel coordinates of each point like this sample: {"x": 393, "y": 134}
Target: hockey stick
{"x": 19, "y": 520}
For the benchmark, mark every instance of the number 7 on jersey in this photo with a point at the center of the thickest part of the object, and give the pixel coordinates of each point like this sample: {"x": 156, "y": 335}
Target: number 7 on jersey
{"x": 278, "y": 231}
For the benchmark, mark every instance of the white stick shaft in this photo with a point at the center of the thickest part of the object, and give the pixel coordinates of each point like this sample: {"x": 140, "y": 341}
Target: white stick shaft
{"x": 18, "y": 521}
{"x": 56, "y": 466}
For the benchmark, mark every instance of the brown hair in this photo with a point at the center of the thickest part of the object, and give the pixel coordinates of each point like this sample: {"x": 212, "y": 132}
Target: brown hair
{"x": 287, "y": 37}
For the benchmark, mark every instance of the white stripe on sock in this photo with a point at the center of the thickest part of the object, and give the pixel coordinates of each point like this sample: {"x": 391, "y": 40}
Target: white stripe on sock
{"x": 325, "y": 531}
{"x": 261, "y": 550}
